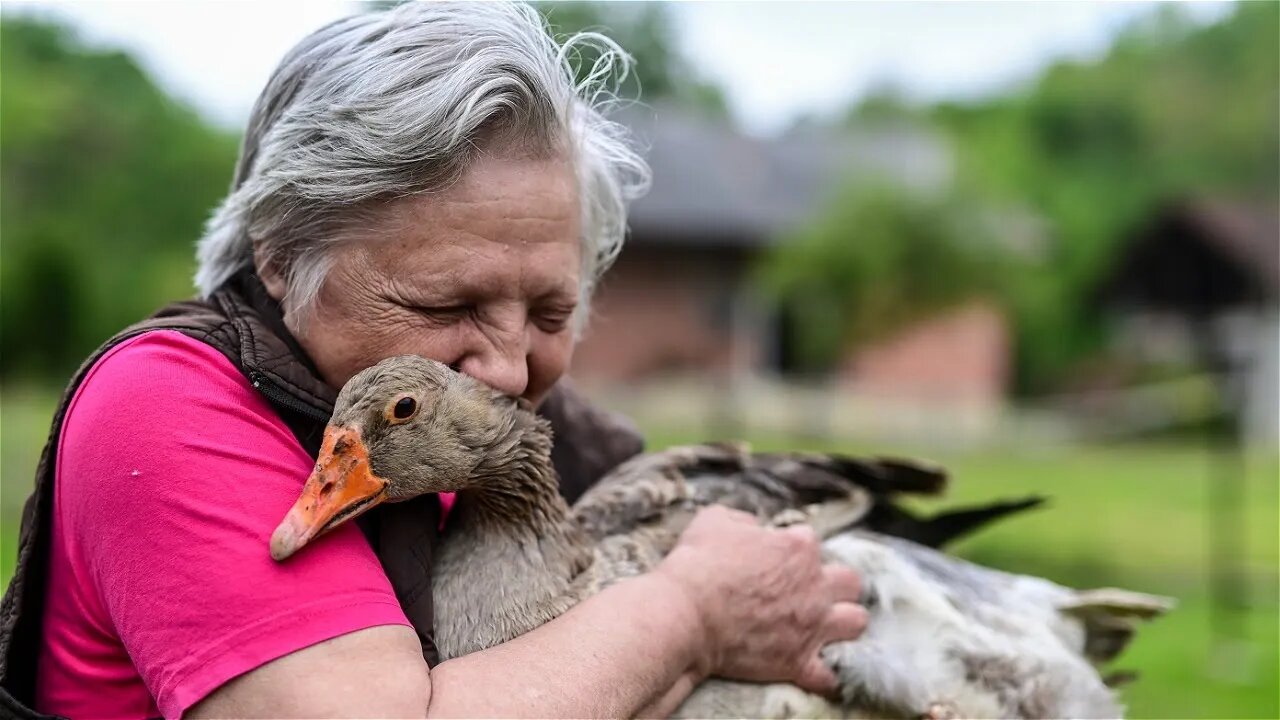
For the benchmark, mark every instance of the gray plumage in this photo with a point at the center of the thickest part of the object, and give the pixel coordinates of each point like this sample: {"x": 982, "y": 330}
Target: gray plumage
{"x": 946, "y": 638}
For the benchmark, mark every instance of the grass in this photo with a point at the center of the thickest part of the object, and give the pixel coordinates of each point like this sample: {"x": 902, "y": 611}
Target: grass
{"x": 25, "y": 413}
{"x": 1129, "y": 515}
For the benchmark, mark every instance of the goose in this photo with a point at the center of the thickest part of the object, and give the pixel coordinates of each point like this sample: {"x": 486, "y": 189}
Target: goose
{"x": 945, "y": 637}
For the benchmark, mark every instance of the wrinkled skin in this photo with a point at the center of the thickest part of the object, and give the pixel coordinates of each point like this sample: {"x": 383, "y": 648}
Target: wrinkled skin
{"x": 482, "y": 277}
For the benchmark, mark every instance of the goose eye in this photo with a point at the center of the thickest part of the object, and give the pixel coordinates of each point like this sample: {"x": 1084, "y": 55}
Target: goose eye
{"x": 405, "y": 408}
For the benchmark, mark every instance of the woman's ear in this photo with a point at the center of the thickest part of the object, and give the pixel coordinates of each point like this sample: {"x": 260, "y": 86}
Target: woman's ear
{"x": 270, "y": 275}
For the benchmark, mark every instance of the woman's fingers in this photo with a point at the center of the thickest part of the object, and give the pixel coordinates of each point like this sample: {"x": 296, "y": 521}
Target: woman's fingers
{"x": 816, "y": 677}
{"x": 732, "y": 514}
{"x": 843, "y": 584}
{"x": 805, "y": 533}
{"x": 845, "y": 621}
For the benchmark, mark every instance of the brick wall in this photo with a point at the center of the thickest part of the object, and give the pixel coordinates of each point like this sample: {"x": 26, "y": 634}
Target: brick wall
{"x": 961, "y": 356}
{"x": 661, "y": 310}
{"x": 667, "y": 310}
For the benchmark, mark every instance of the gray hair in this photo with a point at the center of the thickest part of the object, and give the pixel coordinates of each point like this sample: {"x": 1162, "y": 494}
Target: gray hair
{"x": 387, "y": 104}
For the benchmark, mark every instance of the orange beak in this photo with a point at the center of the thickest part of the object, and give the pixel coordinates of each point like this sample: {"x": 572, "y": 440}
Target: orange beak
{"x": 341, "y": 487}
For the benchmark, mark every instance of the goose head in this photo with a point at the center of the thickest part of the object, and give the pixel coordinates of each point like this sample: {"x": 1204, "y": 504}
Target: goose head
{"x": 402, "y": 428}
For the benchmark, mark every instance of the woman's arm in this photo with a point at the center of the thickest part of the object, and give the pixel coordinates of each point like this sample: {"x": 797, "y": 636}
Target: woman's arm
{"x": 732, "y": 599}
{"x": 607, "y": 657}
{"x": 172, "y": 523}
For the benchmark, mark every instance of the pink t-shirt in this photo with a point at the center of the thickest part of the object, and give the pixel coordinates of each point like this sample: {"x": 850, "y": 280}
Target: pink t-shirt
{"x": 172, "y": 473}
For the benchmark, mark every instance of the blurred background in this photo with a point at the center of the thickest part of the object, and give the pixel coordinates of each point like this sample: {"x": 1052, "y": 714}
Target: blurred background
{"x": 1038, "y": 243}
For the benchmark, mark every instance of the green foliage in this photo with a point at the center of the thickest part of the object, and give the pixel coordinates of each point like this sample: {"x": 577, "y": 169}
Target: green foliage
{"x": 106, "y": 183}
{"x": 645, "y": 31}
{"x": 1172, "y": 110}
{"x": 107, "y": 180}
{"x": 1091, "y": 148}
{"x": 883, "y": 105}
{"x": 877, "y": 259}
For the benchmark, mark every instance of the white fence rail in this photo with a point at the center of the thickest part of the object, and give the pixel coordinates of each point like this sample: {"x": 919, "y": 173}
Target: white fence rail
{"x": 710, "y": 408}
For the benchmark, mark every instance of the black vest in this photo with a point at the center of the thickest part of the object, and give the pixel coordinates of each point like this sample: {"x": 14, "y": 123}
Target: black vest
{"x": 243, "y": 323}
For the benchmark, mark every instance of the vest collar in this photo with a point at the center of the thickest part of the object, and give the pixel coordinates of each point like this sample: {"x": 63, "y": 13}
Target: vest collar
{"x": 272, "y": 358}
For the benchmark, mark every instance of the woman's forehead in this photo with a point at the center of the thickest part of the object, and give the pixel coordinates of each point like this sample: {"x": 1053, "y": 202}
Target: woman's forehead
{"x": 450, "y": 261}
{"x": 510, "y": 225}
{"x": 473, "y": 266}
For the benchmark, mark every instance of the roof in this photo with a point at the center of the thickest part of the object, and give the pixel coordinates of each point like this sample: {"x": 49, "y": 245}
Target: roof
{"x": 1248, "y": 233}
{"x": 1200, "y": 254}
{"x": 715, "y": 185}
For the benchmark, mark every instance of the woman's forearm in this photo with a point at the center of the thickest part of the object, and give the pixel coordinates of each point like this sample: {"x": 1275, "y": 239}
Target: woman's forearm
{"x": 666, "y": 703}
{"x": 636, "y": 647}
{"x": 732, "y": 599}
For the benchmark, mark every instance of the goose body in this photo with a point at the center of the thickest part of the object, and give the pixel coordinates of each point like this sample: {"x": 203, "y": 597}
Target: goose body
{"x": 945, "y": 638}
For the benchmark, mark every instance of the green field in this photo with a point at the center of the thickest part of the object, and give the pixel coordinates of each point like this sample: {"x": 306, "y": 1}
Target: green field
{"x": 1128, "y": 515}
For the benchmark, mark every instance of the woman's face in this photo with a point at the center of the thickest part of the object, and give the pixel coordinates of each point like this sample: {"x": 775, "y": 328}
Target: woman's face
{"x": 482, "y": 276}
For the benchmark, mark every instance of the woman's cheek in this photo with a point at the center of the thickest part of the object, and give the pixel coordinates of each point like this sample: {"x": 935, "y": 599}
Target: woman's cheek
{"x": 549, "y": 360}
{"x": 366, "y": 344}
{"x": 442, "y": 344}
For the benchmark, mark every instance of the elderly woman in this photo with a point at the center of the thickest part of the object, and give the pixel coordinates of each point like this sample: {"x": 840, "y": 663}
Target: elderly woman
{"x": 424, "y": 180}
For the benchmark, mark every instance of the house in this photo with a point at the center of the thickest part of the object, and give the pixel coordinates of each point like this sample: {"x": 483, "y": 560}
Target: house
{"x": 679, "y": 300}
{"x": 959, "y": 357}
{"x": 1198, "y": 284}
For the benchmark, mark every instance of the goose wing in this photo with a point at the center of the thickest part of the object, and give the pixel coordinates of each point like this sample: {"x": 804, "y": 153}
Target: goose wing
{"x": 947, "y": 637}
{"x": 830, "y": 491}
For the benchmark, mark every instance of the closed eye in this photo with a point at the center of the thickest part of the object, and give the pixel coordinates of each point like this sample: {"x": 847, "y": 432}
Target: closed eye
{"x": 552, "y": 319}
{"x": 444, "y": 313}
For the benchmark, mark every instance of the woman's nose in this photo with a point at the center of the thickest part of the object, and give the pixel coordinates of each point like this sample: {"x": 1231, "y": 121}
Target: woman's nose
{"x": 508, "y": 375}
{"x": 497, "y": 349}
{"x": 505, "y": 370}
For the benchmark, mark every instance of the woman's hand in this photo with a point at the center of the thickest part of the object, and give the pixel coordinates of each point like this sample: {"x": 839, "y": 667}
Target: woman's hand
{"x": 766, "y": 602}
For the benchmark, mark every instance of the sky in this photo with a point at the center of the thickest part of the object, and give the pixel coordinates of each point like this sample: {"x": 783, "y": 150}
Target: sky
{"x": 776, "y": 60}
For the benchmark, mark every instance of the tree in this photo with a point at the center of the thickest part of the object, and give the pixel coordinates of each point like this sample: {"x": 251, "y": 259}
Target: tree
{"x": 1173, "y": 109}
{"x": 878, "y": 259}
{"x": 106, "y": 184}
